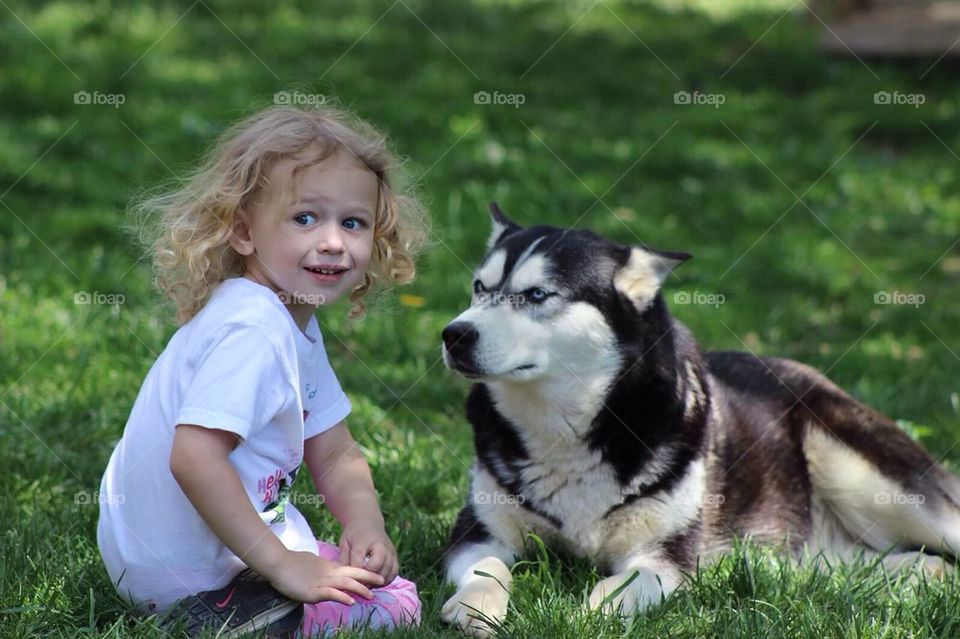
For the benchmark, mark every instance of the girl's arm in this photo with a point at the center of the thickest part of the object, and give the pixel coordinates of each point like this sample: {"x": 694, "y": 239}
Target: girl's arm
{"x": 342, "y": 477}
{"x": 199, "y": 463}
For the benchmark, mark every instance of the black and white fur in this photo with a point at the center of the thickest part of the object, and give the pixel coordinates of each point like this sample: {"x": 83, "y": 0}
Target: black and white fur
{"x": 600, "y": 426}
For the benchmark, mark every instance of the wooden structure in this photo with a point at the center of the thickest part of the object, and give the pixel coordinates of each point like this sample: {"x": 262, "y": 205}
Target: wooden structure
{"x": 890, "y": 28}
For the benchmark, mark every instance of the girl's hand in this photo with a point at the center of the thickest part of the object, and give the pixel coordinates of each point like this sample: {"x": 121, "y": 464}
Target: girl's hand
{"x": 305, "y": 577}
{"x": 365, "y": 544}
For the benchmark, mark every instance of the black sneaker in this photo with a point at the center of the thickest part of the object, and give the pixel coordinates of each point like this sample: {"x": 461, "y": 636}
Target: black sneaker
{"x": 247, "y": 604}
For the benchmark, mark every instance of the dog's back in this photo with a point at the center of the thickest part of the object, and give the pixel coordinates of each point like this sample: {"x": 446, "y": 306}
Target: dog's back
{"x": 801, "y": 461}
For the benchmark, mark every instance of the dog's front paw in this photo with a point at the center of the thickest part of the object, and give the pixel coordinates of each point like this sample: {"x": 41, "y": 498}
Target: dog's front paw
{"x": 476, "y": 604}
{"x": 627, "y": 592}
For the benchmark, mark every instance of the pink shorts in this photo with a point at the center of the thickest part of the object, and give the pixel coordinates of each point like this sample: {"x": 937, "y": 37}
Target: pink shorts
{"x": 395, "y": 604}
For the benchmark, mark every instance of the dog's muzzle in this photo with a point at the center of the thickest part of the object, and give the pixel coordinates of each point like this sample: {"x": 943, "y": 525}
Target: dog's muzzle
{"x": 459, "y": 339}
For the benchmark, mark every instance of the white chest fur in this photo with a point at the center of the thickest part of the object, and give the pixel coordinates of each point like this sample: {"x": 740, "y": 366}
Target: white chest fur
{"x": 570, "y": 483}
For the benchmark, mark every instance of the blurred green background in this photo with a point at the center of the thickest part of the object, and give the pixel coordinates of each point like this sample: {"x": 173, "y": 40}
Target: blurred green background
{"x": 714, "y": 127}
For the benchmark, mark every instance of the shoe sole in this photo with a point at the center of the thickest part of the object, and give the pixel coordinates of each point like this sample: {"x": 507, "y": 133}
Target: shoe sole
{"x": 261, "y": 621}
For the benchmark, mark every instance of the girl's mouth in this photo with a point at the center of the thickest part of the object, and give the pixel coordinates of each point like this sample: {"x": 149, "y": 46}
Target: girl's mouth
{"x": 326, "y": 273}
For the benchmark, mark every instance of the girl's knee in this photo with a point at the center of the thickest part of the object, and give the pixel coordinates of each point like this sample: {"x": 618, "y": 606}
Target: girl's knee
{"x": 393, "y": 605}
{"x": 404, "y": 592}
{"x": 398, "y": 601}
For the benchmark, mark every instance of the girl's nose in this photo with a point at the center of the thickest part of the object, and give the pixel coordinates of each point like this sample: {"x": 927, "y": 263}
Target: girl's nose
{"x": 331, "y": 240}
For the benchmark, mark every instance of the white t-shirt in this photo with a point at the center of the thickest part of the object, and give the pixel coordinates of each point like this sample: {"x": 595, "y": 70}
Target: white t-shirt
{"x": 241, "y": 365}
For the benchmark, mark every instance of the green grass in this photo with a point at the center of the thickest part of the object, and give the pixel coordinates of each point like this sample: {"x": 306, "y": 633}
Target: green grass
{"x": 880, "y": 212}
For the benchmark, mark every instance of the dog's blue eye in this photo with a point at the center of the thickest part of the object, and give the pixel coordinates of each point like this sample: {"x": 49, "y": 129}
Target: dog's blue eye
{"x": 538, "y": 294}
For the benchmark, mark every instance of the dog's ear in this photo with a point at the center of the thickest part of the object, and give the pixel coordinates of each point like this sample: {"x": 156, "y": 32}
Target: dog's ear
{"x": 501, "y": 225}
{"x": 641, "y": 276}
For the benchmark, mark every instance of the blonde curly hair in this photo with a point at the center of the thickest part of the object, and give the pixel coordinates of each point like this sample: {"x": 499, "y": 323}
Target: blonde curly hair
{"x": 188, "y": 229}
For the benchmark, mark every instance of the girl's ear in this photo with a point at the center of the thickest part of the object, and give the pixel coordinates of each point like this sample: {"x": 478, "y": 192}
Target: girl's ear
{"x": 240, "y": 239}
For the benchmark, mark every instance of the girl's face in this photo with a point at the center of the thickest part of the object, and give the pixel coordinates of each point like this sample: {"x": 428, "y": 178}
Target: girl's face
{"x": 318, "y": 248}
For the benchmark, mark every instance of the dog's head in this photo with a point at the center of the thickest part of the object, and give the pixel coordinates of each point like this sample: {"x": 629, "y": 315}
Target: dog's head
{"x": 549, "y": 302}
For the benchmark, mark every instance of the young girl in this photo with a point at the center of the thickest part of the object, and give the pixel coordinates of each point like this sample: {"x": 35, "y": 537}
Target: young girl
{"x": 291, "y": 210}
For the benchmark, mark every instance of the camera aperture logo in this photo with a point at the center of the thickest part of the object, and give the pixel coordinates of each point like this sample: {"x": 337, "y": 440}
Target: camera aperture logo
{"x": 899, "y": 298}
{"x": 96, "y": 98}
{"x": 296, "y": 98}
{"x": 896, "y": 498}
{"x": 696, "y": 98}
{"x": 698, "y": 298}
{"x": 98, "y": 298}
{"x": 307, "y": 499}
{"x": 497, "y": 498}
{"x": 311, "y": 299}
{"x": 498, "y": 99}
{"x": 895, "y": 98}
{"x": 497, "y": 298}
{"x": 85, "y": 498}
{"x": 702, "y": 500}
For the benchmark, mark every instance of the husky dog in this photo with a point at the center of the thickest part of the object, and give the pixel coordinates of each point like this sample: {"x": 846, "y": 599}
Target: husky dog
{"x": 600, "y": 426}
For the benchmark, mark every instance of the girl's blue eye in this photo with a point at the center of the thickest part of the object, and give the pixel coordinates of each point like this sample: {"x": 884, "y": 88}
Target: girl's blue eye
{"x": 305, "y": 218}
{"x": 354, "y": 224}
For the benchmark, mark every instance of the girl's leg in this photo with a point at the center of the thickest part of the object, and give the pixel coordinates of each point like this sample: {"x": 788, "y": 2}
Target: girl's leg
{"x": 395, "y": 604}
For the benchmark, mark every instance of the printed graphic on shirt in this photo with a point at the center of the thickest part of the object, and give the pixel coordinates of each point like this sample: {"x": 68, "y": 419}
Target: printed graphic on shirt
{"x": 275, "y": 489}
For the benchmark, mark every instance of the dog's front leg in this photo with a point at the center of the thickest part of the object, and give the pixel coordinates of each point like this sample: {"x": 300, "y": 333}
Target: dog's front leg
{"x": 479, "y": 564}
{"x": 638, "y": 583}
{"x": 482, "y": 575}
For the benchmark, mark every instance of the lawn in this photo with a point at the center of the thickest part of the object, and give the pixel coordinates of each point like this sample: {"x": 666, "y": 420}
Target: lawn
{"x": 711, "y": 127}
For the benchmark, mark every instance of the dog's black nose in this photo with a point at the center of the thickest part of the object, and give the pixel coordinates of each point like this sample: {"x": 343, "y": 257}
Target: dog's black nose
{"x": 459, "y": 336}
